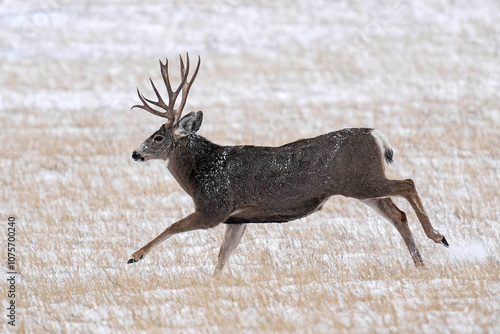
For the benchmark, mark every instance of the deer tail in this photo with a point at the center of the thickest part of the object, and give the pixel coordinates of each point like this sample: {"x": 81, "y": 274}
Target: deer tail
{"x": 383, "y": 143}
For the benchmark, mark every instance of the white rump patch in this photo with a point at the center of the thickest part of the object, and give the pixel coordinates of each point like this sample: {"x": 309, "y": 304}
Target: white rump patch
{"x": 381, "y": 140}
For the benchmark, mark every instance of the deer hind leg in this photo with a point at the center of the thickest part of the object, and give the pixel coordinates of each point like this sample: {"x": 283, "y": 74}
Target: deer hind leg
{"x": 387, "y": 209}
{"x": 406, "y": 189}
{"x": 194, "y": 221}
{"x": 232, "y": 237}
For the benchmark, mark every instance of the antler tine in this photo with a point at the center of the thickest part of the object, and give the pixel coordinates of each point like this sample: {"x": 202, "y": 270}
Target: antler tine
{"x": 160, "y": 102}
{"x": 166, "y": 80}
{"x": 184, "y": 71}
{"x": 187, "y": 85}
{"x": 148, "y": 108}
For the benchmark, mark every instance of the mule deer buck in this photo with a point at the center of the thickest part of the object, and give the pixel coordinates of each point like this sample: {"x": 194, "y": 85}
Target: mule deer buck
{"x": 238, "y": 185}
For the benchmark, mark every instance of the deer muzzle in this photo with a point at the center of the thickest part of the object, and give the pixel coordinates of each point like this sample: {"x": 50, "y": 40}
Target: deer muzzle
{"x": 137, "y": 156}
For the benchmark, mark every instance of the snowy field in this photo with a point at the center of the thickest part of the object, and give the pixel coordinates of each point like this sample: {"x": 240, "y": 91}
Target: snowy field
{"x": 426, "y": 73}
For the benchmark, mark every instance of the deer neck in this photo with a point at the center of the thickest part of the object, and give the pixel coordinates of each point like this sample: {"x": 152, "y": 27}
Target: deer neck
{"x": 186, "y": 159}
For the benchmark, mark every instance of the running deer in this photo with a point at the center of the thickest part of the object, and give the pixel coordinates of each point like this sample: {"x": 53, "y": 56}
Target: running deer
{"x": 238, "y": 185}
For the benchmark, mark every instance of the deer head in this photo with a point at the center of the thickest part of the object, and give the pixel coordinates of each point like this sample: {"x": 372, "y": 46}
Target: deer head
{"x": 161, "y": 143}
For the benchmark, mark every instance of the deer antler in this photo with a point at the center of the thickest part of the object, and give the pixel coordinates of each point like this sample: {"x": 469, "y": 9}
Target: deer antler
{"x": 173, "y": 115}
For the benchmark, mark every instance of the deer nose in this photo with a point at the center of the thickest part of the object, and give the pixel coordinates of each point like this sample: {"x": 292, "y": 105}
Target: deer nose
{"x": 136, "y": 156}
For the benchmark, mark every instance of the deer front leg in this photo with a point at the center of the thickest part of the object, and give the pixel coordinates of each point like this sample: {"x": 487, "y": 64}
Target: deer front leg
{"x": 194, "y": 221}
{"x": 232, "y": 237}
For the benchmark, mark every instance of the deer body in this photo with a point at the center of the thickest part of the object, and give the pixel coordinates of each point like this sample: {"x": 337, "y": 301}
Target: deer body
{"x": 238, "y": 185}
{"x": 276, "y": 184}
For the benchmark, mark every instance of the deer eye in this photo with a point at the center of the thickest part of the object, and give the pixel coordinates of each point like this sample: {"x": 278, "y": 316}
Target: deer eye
{"x": 158, "y": 139}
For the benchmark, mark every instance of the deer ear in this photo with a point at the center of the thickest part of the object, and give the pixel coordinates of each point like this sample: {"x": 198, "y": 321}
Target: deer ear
{"x": 189, "y": 124}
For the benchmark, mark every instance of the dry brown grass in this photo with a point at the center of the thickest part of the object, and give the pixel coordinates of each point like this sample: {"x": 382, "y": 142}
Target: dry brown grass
{"x": 424, "y": 75}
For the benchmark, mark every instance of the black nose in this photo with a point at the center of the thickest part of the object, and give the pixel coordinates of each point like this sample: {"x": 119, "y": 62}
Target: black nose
{"x": 136, "y": 156}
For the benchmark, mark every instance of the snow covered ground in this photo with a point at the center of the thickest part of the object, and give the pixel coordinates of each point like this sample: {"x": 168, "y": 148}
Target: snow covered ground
{"x": 426, "y": 73}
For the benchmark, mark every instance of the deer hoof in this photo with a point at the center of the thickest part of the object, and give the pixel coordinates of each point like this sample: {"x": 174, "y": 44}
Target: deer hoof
{"x": 134, "y": 260}
{"x": 444, "y": 242}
